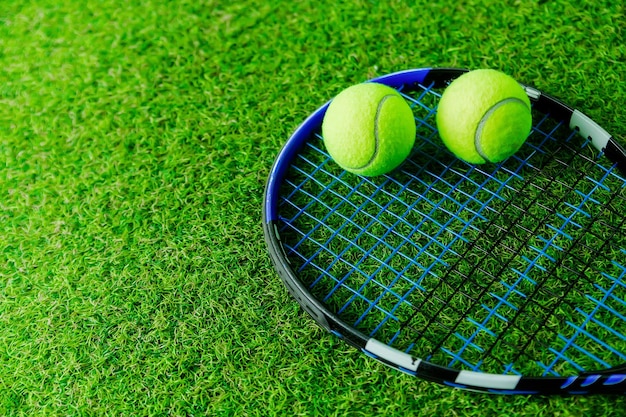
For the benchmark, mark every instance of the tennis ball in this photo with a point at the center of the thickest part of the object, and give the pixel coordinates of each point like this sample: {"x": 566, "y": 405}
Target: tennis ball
{"x": 484, "y": 116}
{"x": 369, "y": 129}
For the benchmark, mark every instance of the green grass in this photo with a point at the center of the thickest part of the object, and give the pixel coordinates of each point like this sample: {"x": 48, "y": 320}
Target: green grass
{"x": 135, "y": 141}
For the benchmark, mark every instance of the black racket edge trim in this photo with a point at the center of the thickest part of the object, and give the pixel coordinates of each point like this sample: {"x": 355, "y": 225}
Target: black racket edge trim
{"x": 583, "y": 384}
{"x": 609, "y": 381}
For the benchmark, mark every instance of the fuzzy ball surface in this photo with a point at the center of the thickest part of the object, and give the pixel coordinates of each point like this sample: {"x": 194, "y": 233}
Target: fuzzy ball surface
{"x": 369, "y": 129}
{"x": 484, "y": 116}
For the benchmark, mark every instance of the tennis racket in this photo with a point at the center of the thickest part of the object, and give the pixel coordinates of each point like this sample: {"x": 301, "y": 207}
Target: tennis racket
{"x": 507, "y": 278}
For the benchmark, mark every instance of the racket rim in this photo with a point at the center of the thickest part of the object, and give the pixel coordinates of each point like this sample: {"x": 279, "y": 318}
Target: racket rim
{"x": 586, "y": 382}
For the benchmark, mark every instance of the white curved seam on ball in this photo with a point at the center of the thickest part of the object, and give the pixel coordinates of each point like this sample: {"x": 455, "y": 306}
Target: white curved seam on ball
{"x": 485, "y": 118}
{"x": 376, "y": 147}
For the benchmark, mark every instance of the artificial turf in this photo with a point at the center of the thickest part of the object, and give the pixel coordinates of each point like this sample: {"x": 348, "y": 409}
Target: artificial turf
{"x": 135, "y": 142}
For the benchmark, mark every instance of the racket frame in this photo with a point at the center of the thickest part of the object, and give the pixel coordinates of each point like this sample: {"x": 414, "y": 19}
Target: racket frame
{"x": 610, "y": 381}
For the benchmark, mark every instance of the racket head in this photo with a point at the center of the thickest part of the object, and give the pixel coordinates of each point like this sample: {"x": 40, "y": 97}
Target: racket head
{"x": 424, "y": 282}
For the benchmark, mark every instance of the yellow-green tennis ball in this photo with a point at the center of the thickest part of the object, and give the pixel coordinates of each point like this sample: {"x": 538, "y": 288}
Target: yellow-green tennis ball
{"x": 369, "y": 129}
{"x": 484, "y": 116}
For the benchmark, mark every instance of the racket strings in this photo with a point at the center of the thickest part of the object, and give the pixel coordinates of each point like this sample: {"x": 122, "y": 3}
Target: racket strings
{"x": 323, "y": 246}
{"x": 493, "y": 242}
{"x": 559, "y": 299}
{"x": 570, "y": 281}
{"x": 483, "y": 270}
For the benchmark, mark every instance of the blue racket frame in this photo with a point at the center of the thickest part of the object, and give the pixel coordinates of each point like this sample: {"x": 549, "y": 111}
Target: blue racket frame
{"x": 611, "y": 379}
